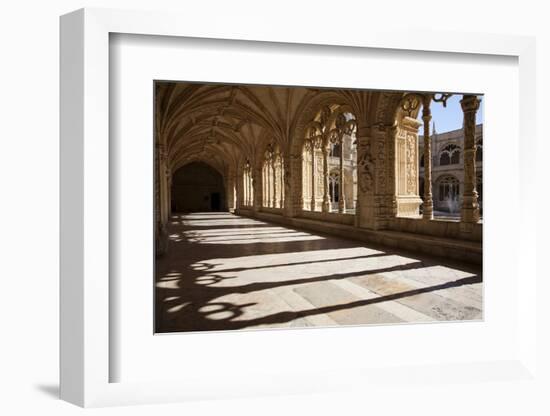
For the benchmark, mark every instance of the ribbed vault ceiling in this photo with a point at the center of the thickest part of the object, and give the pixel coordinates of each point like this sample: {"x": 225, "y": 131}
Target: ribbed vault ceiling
{"x": 223, "y": 125}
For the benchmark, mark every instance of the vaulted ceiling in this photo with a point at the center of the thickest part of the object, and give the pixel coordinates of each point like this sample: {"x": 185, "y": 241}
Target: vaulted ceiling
{"x": 224, "y": 124}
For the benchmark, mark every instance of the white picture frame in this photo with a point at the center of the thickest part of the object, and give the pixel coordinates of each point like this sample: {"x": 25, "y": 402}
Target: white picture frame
{"x": 86, "y": 355}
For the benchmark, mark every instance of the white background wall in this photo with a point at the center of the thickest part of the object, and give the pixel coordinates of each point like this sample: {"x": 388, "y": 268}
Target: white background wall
{"x": 29, "y": 205}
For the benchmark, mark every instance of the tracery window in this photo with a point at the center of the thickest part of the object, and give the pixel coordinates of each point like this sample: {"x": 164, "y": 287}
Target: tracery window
{"x": 329, "y": 164}
{"x": 450, "y": 155}
{"x": 449, "y": 189}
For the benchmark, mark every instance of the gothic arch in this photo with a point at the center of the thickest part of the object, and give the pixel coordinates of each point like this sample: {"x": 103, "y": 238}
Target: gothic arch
{"x": 306, "y": 119}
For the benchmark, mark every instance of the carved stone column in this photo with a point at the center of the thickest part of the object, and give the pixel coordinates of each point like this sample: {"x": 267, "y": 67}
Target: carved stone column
{"x": 161, "y": 235}
{"x": 428, "y": 206}
{"x": 250, "y": 189}
{"x": 230, "y": 192}
{"x": 365, "y": 178}
{"x": 239, "y": 190}
{"x": 293, "y": 187}
{"x": 169, "y": 192}
{"x": 268, "y": 185}
{"x": 274, "y": 173}
{"x": 470, "y": 207}
{"x": 326, "y": 201}
{"x": 282, "y": 182}
{"x": 163, "y": 182}
{"x": 404, "y": 138}
{"x": 342, "y": 194}
{"x": 312, "y": 205}
{"x": 247, "y": 189}
{"x": 303, "y": 168}
{"x": 257, "y": 188}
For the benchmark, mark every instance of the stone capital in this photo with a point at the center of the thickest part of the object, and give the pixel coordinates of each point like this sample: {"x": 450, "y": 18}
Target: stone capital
{"x": 411, "y": 124}
{"x": 470, "y": 103}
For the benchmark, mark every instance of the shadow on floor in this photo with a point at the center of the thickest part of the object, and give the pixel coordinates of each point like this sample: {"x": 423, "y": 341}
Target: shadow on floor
{"x": 190, "y": 284}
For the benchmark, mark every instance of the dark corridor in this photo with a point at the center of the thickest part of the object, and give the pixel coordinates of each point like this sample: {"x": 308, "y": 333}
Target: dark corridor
{"x": 197, "y": 187}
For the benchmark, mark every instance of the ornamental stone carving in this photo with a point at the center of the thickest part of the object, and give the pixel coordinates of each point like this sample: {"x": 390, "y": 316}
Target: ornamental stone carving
{"x": 366, "y": 166}
{"x": 412, "y": 177}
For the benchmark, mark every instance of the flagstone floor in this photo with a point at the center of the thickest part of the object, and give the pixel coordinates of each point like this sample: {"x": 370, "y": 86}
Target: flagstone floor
{"x": 225, "y": 272}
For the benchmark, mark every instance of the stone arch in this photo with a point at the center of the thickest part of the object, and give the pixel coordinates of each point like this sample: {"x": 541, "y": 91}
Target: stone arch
{"x": 307, "y": 114}
{"x": 450, "y": 155}
{"x": 309, "y": 110}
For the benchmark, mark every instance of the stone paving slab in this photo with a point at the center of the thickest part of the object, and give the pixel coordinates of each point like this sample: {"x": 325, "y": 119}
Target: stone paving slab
{"x": 225, "y": 272}
{"x": 333, "y": 299}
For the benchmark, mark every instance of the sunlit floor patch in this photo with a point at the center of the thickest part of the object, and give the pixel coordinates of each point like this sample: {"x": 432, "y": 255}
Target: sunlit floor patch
{"x": 226, "y": 272}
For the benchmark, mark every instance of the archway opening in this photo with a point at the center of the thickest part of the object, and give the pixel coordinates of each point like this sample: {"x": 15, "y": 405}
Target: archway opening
{"x": 197, "y": 187}
{"x": 329, "y": 161}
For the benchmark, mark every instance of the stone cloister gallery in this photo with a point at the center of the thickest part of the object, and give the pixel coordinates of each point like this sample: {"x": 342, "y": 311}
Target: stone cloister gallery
{"x": 295, "y": 206}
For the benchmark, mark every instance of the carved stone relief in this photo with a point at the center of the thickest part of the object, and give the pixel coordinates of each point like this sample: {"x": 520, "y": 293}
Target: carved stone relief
{"x": 412, "y": 177}
{"x": 366, "y": 165}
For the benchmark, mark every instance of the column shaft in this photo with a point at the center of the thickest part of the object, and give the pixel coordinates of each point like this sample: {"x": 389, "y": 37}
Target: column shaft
{"x": 274, "y": 172}
{"x": 326, "y": 202}
{"x": 341, "y": 196}
{"x": 428, "y": 205}
{"x": 268, "y": 181}
{"x": 470, "y": 207}
{"x": 312, "y": 205}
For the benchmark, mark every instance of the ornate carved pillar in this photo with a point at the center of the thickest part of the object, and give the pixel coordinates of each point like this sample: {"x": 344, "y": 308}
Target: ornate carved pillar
{"x": 161, "y": 235}
{"x": 342, "y": 195}
{"x": 393, "y": 133}
{"x": 263, "y": 184}
{"x": 404, "y": 183}
{"x": 169, "y": 192}
{"x": 274, "y": 173}
{"x": 428, "y": 206}
{"x": 157, "y": 188}
{"x": 268, "y": 184}
{"x": 248, "y": 188}
{"x": 470, "y": 207}
{"x": 256, "y": 188}
{"x": 312, "y": 205}
{"x": 326, "y": 201}
{"x": 163, "y": 175}
{"x": 304, "y": 179}
{"x": 293, "y": 187}
{"x": 365, "y": 178}
{"x": 239, "y": 190}
{"x": 282, "y": 182}
{"x": 244, "y": 184}
{"x": 230, "y": 191}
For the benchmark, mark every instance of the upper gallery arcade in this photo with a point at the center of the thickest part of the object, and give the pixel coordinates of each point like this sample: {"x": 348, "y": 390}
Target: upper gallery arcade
{"x": 342, "y": 161}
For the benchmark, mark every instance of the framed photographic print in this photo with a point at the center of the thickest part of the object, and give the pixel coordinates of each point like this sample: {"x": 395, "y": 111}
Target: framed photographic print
{"x": 251, "y": 178}
{"x": 285, "y": 212}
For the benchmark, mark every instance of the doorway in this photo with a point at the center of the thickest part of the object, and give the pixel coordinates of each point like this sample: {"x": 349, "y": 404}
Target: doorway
{"x": 215, "y": 201}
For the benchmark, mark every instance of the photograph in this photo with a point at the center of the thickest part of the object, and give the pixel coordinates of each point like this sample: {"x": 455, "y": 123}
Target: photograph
{"x": 277, "y": 208}
{"x": 280, "y": 207}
